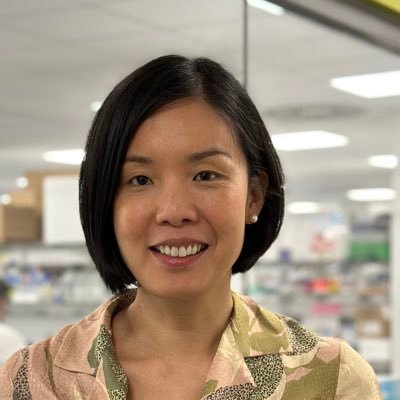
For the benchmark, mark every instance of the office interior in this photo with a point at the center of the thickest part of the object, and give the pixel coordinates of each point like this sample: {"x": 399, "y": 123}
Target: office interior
{"x": 336, "y": 264}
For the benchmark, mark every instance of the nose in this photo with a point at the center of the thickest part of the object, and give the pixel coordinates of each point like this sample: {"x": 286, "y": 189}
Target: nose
{"x": 175, "y": 205}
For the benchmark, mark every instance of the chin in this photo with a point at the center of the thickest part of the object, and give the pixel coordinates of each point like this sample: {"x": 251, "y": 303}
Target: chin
{"x": 181, "y": 291}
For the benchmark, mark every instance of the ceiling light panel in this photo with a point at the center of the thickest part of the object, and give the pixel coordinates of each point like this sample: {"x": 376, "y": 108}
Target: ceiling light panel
{"x": 370, "y": 86}
{"x": 266, "y": 6}
{"x": 371, "y": 194}
{"x": 303, "y": 207}
{"x": 70, "y": 157}
{"x": 308, "y": 140}
{"x": 389, "y": 161}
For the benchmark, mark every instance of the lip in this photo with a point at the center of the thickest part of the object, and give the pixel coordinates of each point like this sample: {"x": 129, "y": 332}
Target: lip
{"x": 177, "y": 242}
{"x": 175, "y": 262}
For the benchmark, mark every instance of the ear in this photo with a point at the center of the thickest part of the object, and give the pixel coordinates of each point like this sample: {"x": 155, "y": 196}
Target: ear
{"x": 256, "y": 195}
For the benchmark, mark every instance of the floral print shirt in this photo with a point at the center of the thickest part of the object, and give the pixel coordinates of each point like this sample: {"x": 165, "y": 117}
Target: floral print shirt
{"x": 260, "y": 356}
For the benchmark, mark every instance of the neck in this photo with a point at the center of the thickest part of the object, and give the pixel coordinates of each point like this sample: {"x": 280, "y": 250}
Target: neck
{"x": 171, "y": 327}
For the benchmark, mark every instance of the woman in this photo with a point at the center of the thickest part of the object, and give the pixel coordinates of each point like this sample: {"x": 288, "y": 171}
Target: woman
{"x": 180, "y": 188}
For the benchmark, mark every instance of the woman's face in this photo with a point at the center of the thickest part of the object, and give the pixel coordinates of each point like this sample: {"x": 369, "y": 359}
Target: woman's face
{"x": 183, "y": 201}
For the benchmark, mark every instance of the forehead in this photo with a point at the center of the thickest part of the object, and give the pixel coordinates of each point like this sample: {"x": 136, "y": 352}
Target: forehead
{"x": 185, "y": 125}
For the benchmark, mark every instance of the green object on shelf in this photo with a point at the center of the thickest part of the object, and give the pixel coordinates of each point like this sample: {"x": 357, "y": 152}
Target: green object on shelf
{"x": 367, "y": 250}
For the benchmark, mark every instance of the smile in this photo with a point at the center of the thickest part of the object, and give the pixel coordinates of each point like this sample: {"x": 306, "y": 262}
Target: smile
{"x": 180, "y": 251}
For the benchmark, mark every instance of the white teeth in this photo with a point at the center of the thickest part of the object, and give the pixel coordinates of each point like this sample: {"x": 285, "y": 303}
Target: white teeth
{"x": 180, "y": 251}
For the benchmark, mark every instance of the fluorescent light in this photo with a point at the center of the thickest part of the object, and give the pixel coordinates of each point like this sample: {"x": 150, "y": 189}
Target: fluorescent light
{"x": 370, "y": 86}
{"x": 22, "y": 182}
{"x": 373, "y": 194}
{"x": 266, "y": 6}
{"x": 303, "y": 207}
{"x": 389, "y": 161}
{"x": 71, "y": 157}
{"x": 308, "y": 140}
{"x": 5, "y": 199}
{"x": 95, "y": 105}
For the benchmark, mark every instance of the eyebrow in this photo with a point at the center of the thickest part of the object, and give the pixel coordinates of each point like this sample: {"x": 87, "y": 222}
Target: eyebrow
{"x": 208, "y": 153}
{"x": 194, "y": 157}
{"x": 138, "y": 159}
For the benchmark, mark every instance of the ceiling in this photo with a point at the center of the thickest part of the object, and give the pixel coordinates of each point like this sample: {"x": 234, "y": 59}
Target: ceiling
{"x": 58, "y": 56}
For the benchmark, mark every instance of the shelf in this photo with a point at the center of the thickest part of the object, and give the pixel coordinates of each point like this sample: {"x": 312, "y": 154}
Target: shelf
{"x": 29, "y": 246}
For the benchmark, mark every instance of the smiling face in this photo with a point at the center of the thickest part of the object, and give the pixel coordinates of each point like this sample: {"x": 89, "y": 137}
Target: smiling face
{"x": 183, "y": 201}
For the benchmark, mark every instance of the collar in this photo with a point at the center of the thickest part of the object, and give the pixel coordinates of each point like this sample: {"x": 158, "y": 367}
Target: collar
{"x": 252, "y": 332}
{"x": 86, "y": 347}
{"x": 81, "y": 346}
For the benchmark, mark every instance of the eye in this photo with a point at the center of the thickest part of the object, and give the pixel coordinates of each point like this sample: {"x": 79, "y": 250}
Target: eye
{"x": 205, "y": 176}
{"x": 140, "y": 180}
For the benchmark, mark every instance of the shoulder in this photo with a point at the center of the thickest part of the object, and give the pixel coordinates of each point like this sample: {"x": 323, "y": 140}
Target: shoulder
{"x": 31, "y": 361}
{"x": 51, "y": 361}
{"x": 322, "y": 366}
{"x": 357, "y": 379}
{"x": 254, "y": 321}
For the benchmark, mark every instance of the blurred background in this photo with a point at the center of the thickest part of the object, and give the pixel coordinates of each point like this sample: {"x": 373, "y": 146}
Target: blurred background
{"x": 325, "y": 76}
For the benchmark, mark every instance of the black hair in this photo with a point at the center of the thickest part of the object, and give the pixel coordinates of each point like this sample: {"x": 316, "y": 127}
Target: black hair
{"x": 143, "y": 92}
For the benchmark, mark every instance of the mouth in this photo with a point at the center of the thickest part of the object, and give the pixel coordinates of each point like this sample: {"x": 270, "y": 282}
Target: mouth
{"x": 180, "y": 251}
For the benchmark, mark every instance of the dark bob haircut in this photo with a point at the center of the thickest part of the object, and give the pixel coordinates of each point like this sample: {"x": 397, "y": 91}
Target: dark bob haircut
{"x": 135, "y": 98}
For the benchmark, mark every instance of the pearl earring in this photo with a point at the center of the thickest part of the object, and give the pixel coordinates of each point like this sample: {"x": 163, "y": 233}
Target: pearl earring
{"x": 254, "y": 219}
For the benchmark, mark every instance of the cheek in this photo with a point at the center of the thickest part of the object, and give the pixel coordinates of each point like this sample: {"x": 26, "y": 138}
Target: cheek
{"x": 127, "y": 216}
{"x": 228, "y": 210}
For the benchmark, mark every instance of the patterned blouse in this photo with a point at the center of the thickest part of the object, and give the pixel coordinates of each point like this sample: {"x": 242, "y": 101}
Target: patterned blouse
{"x": 261, "y": 356}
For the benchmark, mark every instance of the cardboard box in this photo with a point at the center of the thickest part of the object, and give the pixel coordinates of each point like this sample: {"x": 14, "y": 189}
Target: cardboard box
{"x": 18, "y": 224}
{"x": 371, "y": 322}
{"x": 24, "y": 198}
{"x": 28, "y": 204}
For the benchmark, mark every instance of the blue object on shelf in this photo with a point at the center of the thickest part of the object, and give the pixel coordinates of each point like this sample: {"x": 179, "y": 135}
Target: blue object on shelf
{"x": 285, "y": 255}
{"x": 390, "y": 389}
